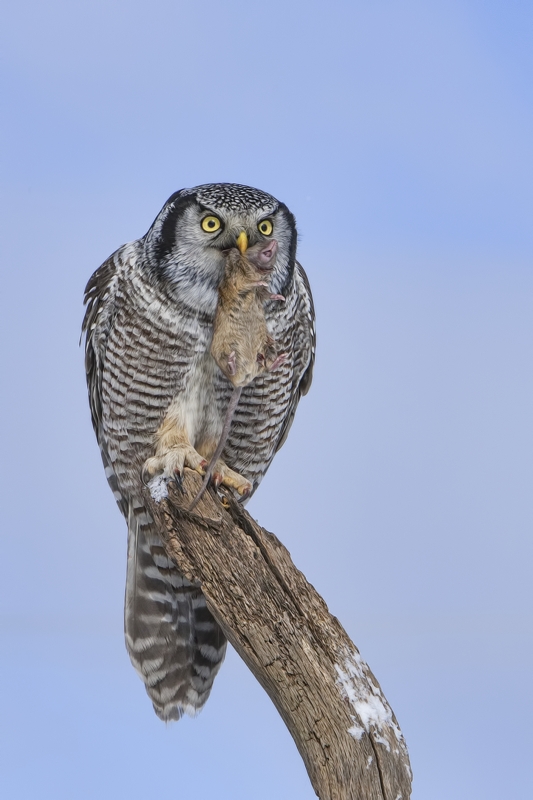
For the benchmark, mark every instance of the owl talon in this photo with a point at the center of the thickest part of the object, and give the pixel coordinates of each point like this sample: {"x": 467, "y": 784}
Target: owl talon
{"x": 145, "y": 476}
{"x": 232, "y": 480}
{"x": 178, "y": 480}
{"x": 170, "y": 463}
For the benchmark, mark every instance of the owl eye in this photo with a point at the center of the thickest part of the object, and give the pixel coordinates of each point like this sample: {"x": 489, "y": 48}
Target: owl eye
{"x": 265, "y": 227}
{"x": 211, "y": 224}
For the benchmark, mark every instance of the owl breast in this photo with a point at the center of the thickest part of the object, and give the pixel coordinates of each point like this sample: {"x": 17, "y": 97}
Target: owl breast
{"x": 157, "y": 364}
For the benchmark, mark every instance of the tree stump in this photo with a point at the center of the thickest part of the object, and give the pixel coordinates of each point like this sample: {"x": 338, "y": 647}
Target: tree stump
{"x": 332, "y": 704}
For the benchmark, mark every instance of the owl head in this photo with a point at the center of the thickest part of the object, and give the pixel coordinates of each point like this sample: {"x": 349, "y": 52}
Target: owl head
{"x": 185, "y": 246}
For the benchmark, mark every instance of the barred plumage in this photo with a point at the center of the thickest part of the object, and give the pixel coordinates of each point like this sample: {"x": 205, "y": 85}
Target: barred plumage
{"x": 148, "y": 328}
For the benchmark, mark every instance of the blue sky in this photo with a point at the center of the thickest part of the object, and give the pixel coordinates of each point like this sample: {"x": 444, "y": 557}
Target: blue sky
{"x": 399, "y": 133}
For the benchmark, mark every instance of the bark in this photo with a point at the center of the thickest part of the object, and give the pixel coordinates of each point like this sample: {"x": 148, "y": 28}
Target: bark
{"x": 332, "y": 704}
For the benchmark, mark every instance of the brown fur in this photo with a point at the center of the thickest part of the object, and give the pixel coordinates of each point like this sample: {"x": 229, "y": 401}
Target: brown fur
{"x": 242, "y": 346}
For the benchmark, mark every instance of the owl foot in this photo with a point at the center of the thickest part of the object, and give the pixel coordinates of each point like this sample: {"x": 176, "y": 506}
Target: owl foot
{"x": 170, "y": 465}
{"x": 223, "y": 475}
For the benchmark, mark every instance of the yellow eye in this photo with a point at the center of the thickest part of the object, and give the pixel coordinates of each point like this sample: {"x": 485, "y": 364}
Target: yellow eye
{"x": 211, "y": 224}
{"x": 265, "y": 227}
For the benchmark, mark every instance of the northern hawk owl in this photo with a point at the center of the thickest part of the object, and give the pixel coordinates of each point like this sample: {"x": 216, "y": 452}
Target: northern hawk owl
{"x": 158, "y": 399}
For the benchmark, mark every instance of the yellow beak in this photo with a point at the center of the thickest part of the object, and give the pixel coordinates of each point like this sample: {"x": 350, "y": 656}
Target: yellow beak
{"x": 242, "y": 242}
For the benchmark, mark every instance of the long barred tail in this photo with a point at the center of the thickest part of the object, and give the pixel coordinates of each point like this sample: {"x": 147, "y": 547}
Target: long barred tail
{"x": 173, "y": 641}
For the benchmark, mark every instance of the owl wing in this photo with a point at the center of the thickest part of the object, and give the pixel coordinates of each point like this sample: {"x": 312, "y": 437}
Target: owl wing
{"x": 99, "y": 298}
{"x": 305, "y": 352}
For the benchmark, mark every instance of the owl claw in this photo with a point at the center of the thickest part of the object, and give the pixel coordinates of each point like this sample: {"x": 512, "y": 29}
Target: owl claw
{"x": 170, "y": 463}
{"x": 145, "y": 476}
{"x": 222, "y": 475}
{"x": 231, "y": 479}
{"x": 170, "y": 460}
{"x": 178, "y": 480}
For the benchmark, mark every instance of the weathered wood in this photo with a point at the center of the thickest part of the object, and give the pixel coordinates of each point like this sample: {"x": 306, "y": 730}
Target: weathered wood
{"x": 327, "y": 696}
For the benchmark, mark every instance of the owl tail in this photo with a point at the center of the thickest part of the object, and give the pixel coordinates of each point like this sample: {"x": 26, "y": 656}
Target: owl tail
{"x": 173, "y": 641}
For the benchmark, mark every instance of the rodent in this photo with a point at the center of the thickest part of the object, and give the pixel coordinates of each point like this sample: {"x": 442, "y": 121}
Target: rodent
{"x": 241, "y": 345}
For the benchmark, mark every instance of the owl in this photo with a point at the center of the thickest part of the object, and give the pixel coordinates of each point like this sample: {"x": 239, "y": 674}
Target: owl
{"x": 158, "y": 402}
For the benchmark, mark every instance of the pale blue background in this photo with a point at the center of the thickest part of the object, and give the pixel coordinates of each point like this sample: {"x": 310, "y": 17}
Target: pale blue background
{"x": 399, "y": 132}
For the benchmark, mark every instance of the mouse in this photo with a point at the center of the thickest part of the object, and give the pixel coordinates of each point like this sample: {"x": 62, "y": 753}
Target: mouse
{"x": 242, "y": 346}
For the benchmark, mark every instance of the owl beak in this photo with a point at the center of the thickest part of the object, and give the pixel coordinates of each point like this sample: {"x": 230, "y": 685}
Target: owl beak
{"x": 242, "y": 242}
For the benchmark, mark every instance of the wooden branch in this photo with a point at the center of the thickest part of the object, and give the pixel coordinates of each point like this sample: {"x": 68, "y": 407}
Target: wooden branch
{"x": 327, "y": 696}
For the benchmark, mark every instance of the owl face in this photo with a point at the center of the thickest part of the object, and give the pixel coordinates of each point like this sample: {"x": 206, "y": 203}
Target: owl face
{"x": 185, "y": 246}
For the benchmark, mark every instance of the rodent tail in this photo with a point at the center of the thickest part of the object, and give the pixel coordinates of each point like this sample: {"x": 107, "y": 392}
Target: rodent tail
{"x": 232, "y": 405}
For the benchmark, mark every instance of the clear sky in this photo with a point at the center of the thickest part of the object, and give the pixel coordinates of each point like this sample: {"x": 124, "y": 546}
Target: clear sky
{"x": 400, "y": 134}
